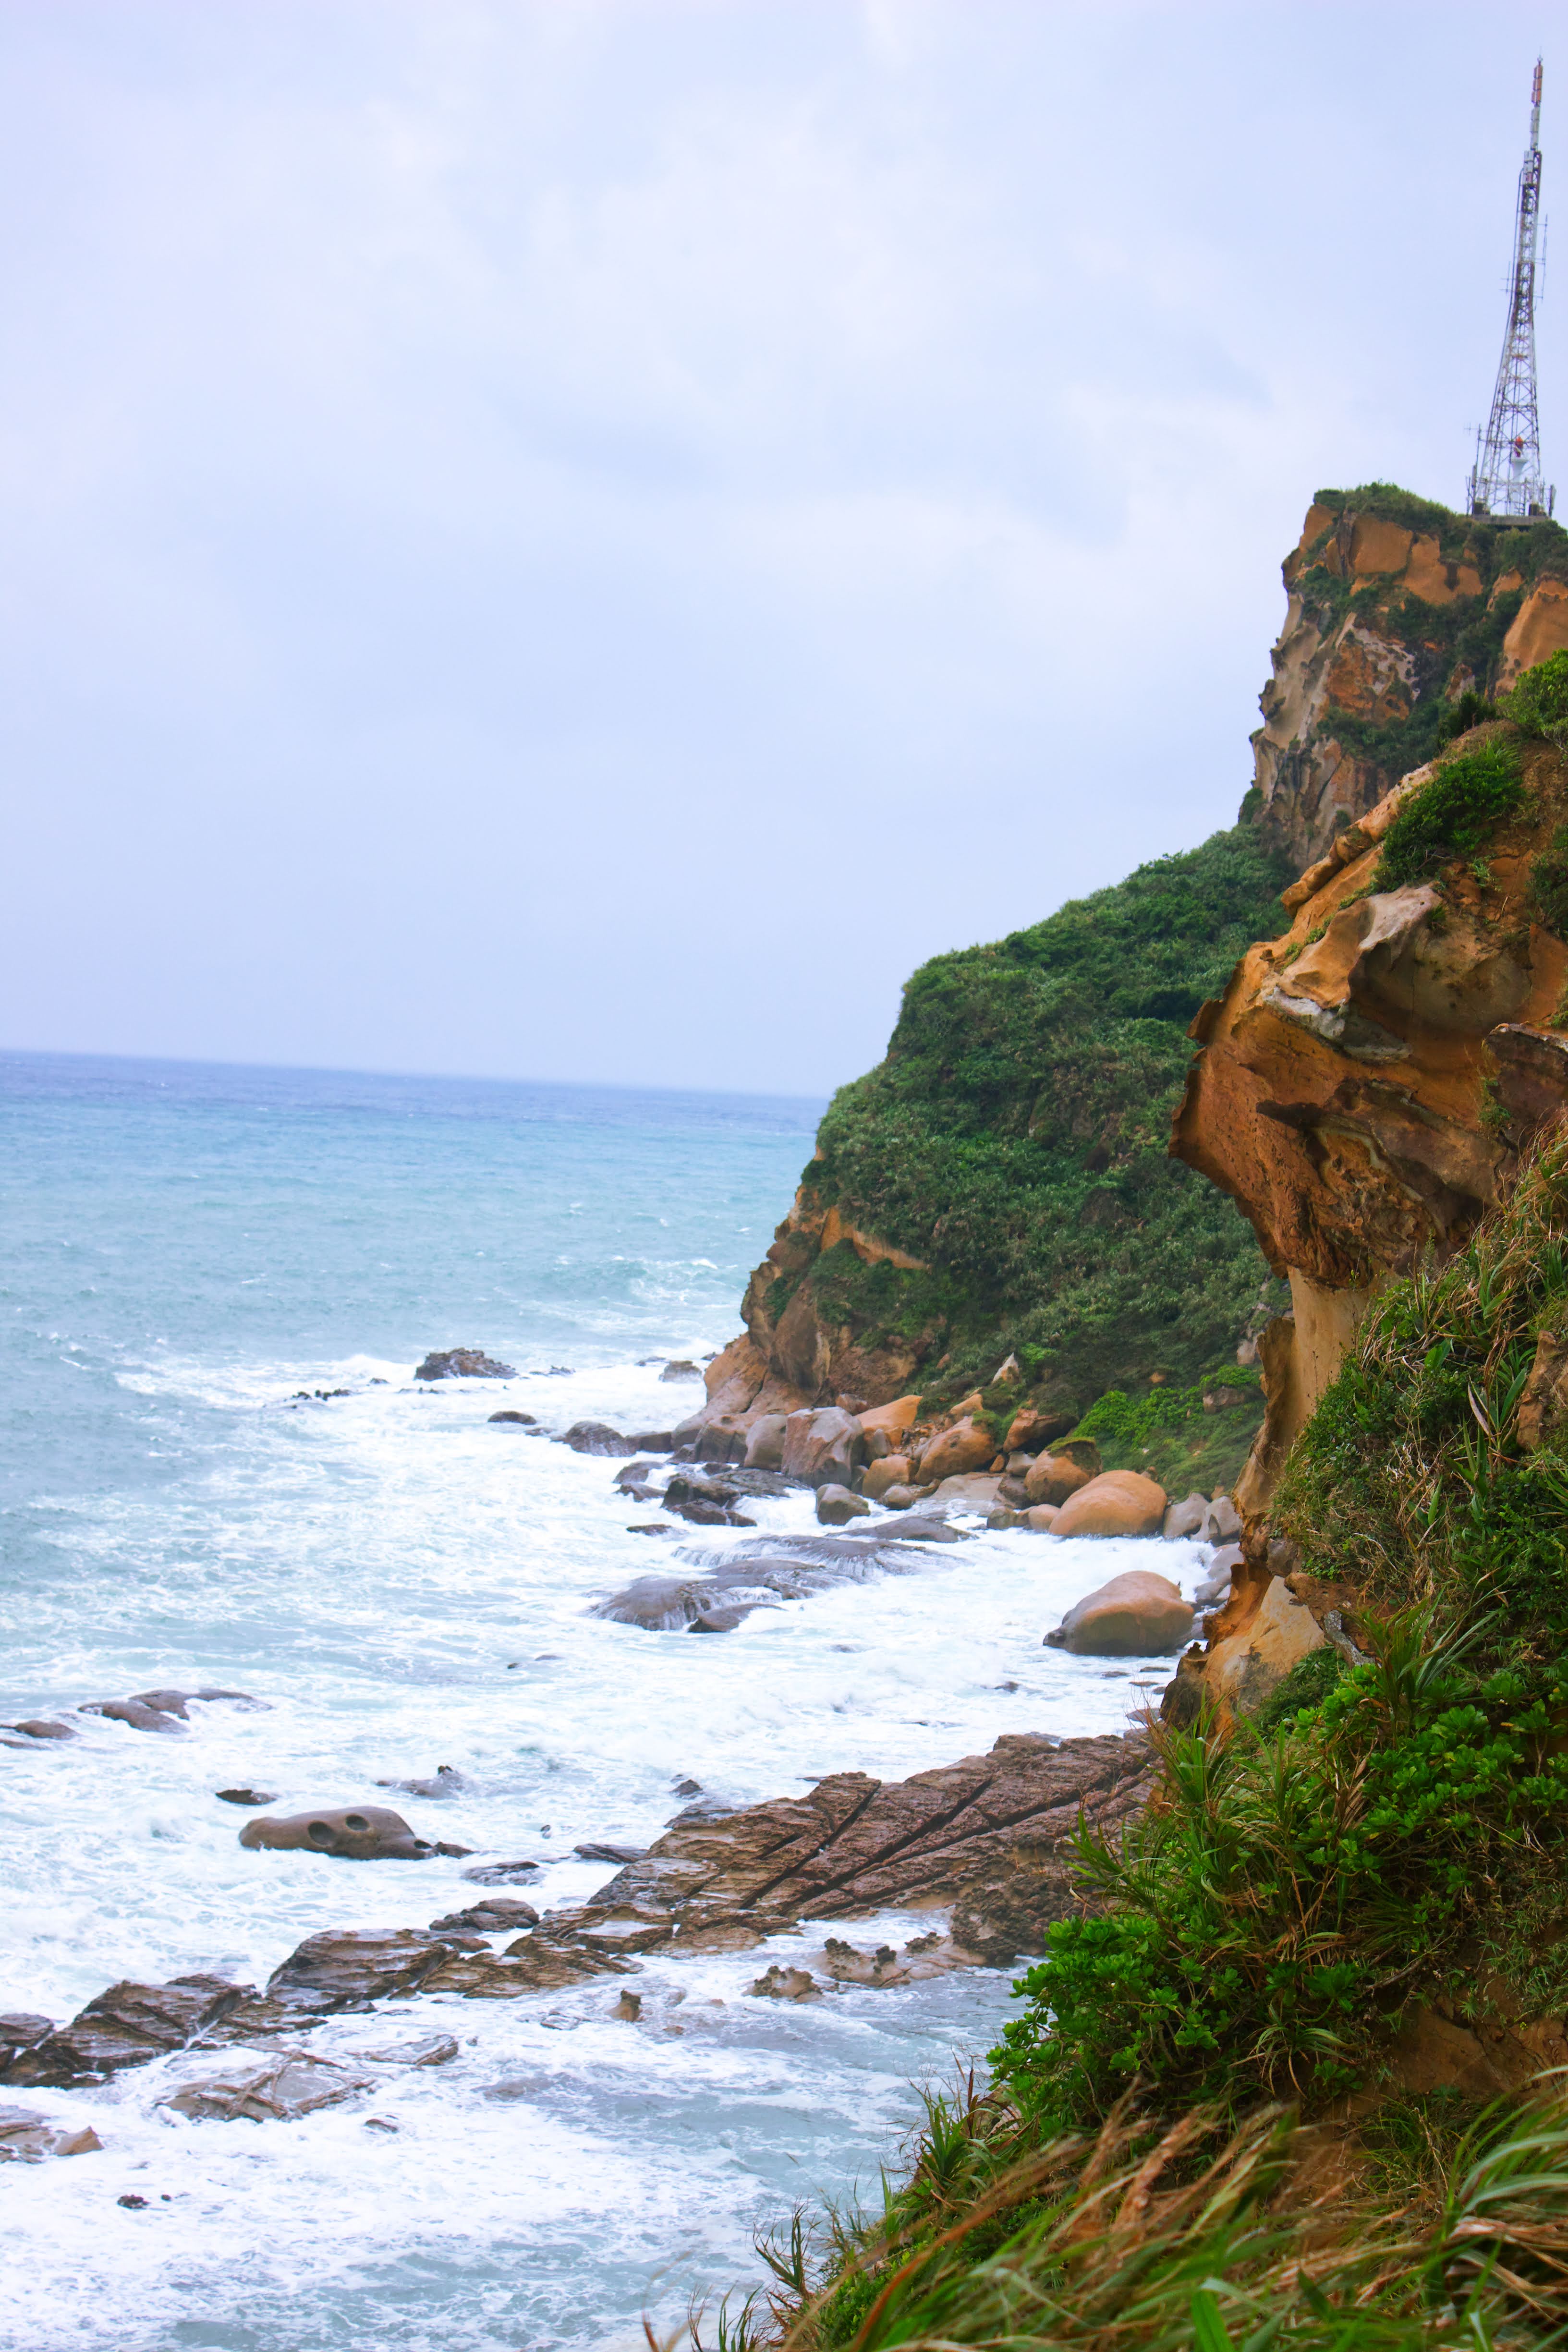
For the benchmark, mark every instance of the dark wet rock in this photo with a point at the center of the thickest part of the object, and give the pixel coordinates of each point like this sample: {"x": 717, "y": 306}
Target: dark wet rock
{"x": 689, "y": 1788}
{"x": 348, "y": 1967}
{"x": 540, "y": 1961}
{"x": 498, "y": 1915}
{"x": 679, "y": 1368}
{"x": 361, "y": 1833}
{"x": 500, "y": 1873}
{"x": 988, "y": 1835}
{"x": 445, "y": 1781}
{"x": 247, "y": 1796}
{"x": 430, "y": 2049}
{"x": 629, "y": 2008}
{"x": 785, "y": 1984}
{"x": 132, "y": 2203}
{"x": 465, "y": 1364}
{"x": 633, "y": 1478}
{"x": 277, "y": 2091}
{"x": 164, "y": 1710}
{"x": 652, "y": 1527}
{"x": 698, "y": 1513}
{"x": 597, "y": 1437}
{"x": 724, "y": 1621}
{"x": 653, "y": 1441}
{"x": 767, "y": 1570}
{"x": 20, "y": 2030}
{"x": 598, "y": 1850}
{"x": 126, "y": 2026}
{"x": 37, "y": 1726}
{"x": 29, "y": 2138}
{"x": 518, "y": 1420}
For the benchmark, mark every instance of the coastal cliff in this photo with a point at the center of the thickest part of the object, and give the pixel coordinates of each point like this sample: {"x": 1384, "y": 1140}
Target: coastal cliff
{"x": 1396, "y": 608}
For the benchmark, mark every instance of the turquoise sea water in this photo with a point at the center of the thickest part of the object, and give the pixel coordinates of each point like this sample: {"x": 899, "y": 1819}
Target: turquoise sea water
{"x": 405, "y": 1585}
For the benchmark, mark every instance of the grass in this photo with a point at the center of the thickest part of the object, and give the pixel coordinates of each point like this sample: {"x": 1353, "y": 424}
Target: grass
{"x": 1136, "y": 2238}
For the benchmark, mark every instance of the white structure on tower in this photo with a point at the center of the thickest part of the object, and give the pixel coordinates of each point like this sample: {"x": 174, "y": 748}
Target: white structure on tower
{"x": 1506, "y": 480}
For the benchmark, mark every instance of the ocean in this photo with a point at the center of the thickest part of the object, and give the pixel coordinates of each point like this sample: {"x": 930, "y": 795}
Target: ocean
{"x": 218, "y": 1470}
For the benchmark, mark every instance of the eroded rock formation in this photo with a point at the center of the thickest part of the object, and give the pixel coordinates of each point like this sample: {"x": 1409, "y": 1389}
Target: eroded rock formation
{"x": 1395, "y": 606}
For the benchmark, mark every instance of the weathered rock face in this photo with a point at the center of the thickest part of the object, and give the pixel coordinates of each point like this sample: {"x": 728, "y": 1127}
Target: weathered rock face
{"x": 1367, "y": 1079}
{"x": 1385, "y": 619}
{"x": 985, "y": 1834}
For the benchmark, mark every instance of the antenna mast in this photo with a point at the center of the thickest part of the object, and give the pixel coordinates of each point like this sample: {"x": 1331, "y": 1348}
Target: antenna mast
{"x": 1505, "y": 482}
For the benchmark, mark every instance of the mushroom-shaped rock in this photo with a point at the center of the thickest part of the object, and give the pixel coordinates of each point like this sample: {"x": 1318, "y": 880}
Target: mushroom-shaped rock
{"x": 1134, "y": 1616}
{"x": 1055, "y": 1476}
{"x": 368, "y": 1833}
{"x": 1116, "y": 1503}
{"x": 964, "y": 1447}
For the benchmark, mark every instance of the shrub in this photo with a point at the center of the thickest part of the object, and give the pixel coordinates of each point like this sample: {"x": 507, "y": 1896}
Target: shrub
{"x": 1295, "y": 1886}
{"x": 1451, "y": 816}
{"x": 1548, "y": 885}
{"x": 1538, "y": 702}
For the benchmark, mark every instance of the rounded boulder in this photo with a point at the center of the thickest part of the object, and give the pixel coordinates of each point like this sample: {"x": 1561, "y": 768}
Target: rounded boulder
{"x": 957, "y": 1451}
{"x": 360, "y": 1833}
{"x": 1052, "y": 1477}
{"x": 1116, "y": 1503}
{"x": 1138, "y": 1616}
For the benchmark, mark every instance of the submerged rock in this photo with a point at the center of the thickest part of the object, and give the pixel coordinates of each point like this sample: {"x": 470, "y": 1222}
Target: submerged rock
{"x": 494, "y": 1918}
{"x": 29, "y": 2138}
{"x": 500, "y": 1873}
{"x": 785, "y": 1984}
{"x": 162, "y": 1710}
{"x": 279, "y": 2090}
{"x": 251, "y": 1797}
{"x": 445, "y": 1781}
{"x": 680, "y": 1368}
{"x": 37, "y": 1726}
{"x": 463, "y": 1364}
{"x": 518, "y": 1420}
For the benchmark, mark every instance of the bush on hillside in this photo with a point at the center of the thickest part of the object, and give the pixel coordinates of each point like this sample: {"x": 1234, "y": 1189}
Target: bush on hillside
{"x": 1014, "y": 1137}
{"x": 1453, "y": 814}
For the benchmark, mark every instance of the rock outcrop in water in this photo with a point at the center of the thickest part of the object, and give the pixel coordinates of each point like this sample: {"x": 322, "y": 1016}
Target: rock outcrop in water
{"x": 986, "y": 1836}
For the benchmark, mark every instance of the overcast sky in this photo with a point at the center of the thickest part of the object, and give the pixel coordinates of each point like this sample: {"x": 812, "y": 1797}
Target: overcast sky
{"x": 582, "y": 538}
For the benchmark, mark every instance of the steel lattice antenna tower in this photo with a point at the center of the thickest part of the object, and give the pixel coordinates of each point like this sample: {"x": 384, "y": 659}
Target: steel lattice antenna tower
{"x": 1506, "y": 480}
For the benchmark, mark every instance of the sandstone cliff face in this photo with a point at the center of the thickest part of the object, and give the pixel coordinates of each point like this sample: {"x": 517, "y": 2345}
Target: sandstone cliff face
{"x": 1395, "y": 608}
{"x": 1367, "y": 1079}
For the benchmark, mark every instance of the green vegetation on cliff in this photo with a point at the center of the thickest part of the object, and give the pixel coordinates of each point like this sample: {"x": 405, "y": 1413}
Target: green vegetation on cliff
{"x": 1374, "y": 1860}
{"x": 1293, "y": 1897}
{"x": 1014, "y": 1139}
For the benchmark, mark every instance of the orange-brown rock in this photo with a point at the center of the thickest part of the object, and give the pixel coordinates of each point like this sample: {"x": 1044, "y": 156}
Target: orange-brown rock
{"x": 892, "y": 1470}
{"x": 965, "y": 1446}
{"x": 1054, "y": 1478}
{"x": 893, "y": 1419}
{"x": 1375, "y": 657}
{"x": 1116, "y": 1503}
{"x": 1366, "y": 1081}
{"x": 1245, "y": 1668}
{"x": 1137, "y": 1615}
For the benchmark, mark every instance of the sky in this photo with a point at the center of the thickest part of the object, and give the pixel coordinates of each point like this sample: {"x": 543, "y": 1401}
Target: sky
{"x": 585, "y": 539}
